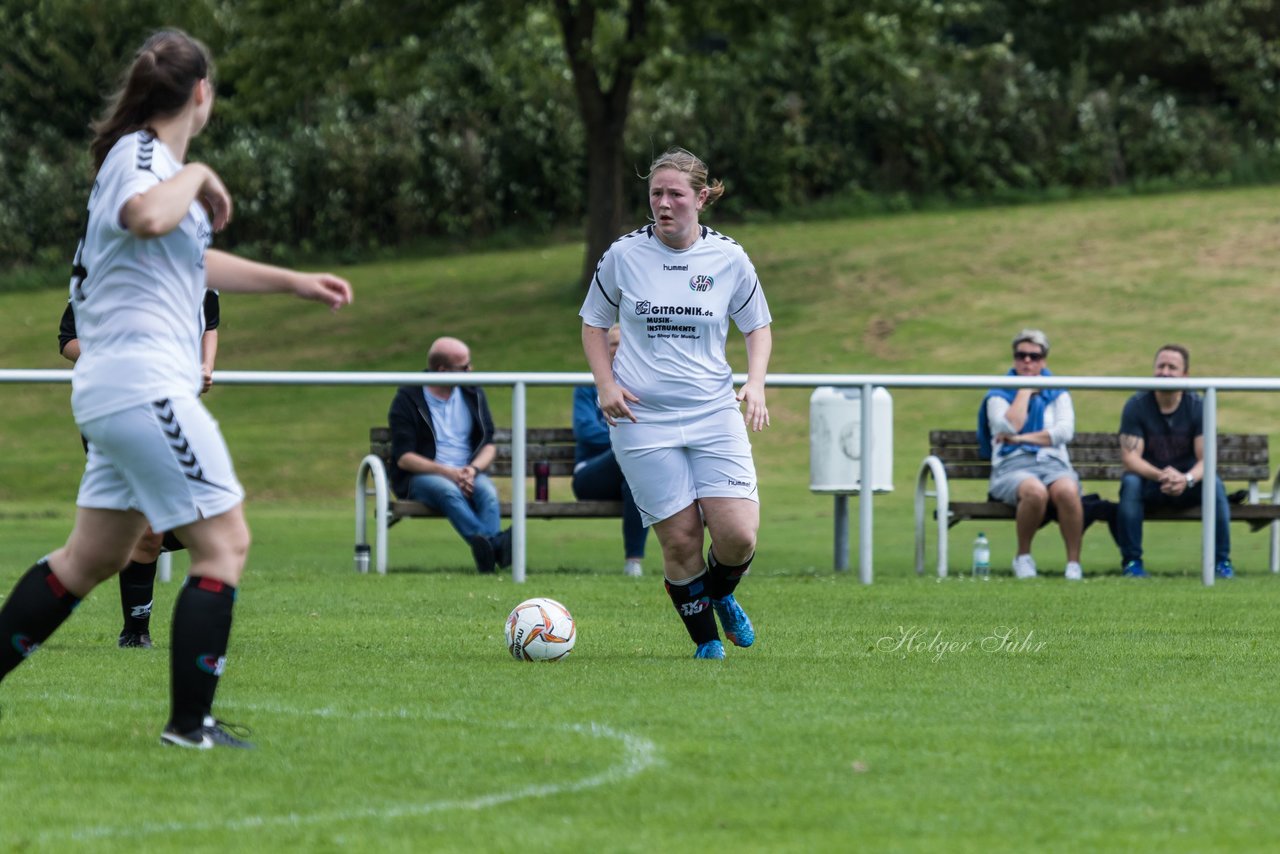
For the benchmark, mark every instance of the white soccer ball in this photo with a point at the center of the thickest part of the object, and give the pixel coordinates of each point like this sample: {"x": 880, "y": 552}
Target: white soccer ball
{"x": 540, "y": 630}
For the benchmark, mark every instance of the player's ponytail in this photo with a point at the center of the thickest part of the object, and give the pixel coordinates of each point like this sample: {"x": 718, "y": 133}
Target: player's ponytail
{"x": 159, "y": 82}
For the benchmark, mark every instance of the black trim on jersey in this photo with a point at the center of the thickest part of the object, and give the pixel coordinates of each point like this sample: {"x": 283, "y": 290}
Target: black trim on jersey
{"x": 146, "y": 151}
{"x": 754, "y": 288}
{"x": 212, "y": 310}
{"x": 713, "y": 233}
{"x": 66, "y": 327}
{"x": 600, "y": 285}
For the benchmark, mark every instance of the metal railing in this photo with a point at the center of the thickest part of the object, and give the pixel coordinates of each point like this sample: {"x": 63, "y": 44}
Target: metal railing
{"x": 519, "y": 382}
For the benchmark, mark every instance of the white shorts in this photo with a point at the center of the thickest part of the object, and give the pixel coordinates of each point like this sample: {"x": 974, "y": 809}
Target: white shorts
{"x": 670, "y": 466}
{"x": 165, "y": 459}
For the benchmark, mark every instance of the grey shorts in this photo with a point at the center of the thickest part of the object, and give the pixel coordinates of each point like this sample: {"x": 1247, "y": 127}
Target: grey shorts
{"x": 1017, "y": 468}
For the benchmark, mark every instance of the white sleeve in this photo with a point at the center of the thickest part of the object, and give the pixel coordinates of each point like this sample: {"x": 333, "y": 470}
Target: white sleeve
{"x": 997, "y": 408}
{"x": 600, "y": 308}
{"x": 1060, "y": 420}
{"x": 124, "y": 176}
{"x": 748, "y": 307}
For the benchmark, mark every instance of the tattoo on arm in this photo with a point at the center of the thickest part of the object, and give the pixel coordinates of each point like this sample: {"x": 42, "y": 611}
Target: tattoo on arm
{"x": 1130, "y": 443}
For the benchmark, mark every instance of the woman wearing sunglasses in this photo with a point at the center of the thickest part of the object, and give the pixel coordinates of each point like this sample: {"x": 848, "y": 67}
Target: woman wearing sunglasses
{"x": 1030, "y": 469}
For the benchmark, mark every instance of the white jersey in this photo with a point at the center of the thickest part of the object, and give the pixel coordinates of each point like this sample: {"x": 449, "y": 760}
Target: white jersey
{"x": 139, "y": 304}
{"x": 674, "y": 308}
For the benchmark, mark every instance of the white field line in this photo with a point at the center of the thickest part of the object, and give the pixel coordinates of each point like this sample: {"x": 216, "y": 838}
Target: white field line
{"x": 638, "y": 755}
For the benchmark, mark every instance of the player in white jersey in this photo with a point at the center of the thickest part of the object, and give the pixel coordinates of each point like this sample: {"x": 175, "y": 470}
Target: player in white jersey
{"x": 675, "y": 421}
{"x": 156, "y": 454}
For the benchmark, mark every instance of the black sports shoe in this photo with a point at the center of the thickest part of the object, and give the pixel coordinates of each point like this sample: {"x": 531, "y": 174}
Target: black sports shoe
{"x": 214, "y": 733}
{"x": 482, "y": 551}
{"x": 502, "y": 548}
{"x": 134, "y": 640}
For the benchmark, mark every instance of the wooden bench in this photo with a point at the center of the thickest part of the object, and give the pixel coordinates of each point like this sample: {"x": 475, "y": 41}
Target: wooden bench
{"x": 953, "y": 455}
{"x": 553, "y": 446}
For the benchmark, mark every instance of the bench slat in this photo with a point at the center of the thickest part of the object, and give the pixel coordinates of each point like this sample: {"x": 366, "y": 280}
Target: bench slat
{"x": 1097, "y": 471}
{"x": 533, "y": 510}
{"x": 969, "y": 438}
{"x": 974, "y": 510}
{"x": 1235, "y": 456}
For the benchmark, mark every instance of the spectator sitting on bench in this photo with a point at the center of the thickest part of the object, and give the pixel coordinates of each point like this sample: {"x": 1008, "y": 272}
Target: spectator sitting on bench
{"x": 1028, "y": 430}
{"x": 596, "y": 474}
{"x": 1162, "y": 445}
{"x": 441, "y": 445}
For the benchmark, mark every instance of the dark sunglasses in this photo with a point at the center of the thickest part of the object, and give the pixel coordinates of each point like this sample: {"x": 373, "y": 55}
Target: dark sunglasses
{"x": 1027, "y": 356}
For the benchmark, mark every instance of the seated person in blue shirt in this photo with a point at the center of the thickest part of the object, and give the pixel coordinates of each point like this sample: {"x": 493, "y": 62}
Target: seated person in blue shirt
{"x": 441, "y": 445}
{"x": 596, "y": 475}
{"x": 1162, "y": 446}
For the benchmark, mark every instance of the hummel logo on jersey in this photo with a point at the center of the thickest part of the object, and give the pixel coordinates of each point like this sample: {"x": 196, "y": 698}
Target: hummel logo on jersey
{"x": 733, "y": 482}
{"x": 666, "y": 268}
{"x": 701, "y": 284}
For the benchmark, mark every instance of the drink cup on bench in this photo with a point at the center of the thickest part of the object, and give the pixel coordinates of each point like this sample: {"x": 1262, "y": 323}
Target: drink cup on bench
{"x": 541, "y": 475}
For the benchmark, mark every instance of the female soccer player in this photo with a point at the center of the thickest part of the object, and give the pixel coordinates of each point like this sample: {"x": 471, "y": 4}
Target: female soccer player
{"x": 155, "y": 453}
{"x": 674, "y": 419}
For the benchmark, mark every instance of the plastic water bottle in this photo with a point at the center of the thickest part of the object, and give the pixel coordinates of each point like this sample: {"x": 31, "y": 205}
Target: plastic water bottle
{"x": 982, "y": 557}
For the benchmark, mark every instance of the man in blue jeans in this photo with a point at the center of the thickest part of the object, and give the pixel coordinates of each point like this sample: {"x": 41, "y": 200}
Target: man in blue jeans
{"x": 1162, "y": 446}
{"x": 441, "y": 446}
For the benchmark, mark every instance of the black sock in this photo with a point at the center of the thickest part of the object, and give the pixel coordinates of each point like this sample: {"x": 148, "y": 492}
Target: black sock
{"x": 137, "y": 587}
{"x": 36, "y": 607}
{"x": 722, "y": 578}
{"x": 201, "y": 627}
{"x": 694, "y": 607}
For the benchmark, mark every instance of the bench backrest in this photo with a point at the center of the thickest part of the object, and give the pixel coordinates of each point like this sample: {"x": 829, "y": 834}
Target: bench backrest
{"x": 1096, "y": 456}
{"x": 551, "y": 445}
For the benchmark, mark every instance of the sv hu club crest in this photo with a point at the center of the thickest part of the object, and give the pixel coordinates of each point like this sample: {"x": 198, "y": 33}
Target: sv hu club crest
{"x": 701, "y": 284}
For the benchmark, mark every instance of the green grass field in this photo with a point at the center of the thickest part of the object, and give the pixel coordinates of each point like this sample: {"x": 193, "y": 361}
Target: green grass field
{"x": 911, "y": 714}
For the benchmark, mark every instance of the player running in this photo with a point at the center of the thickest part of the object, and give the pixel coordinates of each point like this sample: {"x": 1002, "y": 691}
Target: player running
{"x": 675, "y": 422}
{"x": 155, "y": 453}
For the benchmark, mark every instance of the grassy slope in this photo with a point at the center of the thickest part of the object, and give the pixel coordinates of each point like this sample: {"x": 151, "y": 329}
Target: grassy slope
{"x": 936, "y": 293}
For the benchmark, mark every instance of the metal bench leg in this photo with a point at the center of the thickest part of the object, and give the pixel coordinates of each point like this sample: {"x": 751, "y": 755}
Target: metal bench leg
{"x": 932, "y": 466}
{"x": 371, "y": 466}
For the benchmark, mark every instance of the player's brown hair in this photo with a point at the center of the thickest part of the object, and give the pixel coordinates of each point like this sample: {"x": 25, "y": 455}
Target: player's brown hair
{"x": 159, "y": 82}
{"x": 691, "y": 165}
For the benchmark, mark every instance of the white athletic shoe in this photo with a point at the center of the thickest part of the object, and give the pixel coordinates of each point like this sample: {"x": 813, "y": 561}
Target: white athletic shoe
{"x": 1074, "y": 572}
{"x": 1024, "y": 566}
{"x": 633, "y": 568}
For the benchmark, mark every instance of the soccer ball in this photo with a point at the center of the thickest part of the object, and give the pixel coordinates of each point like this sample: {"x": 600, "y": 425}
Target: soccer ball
{"x": 540, "y": 630}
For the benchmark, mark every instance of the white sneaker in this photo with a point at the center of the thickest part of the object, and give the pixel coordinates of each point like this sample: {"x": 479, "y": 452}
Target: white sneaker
{"x": 1024, "y": 566}
{"x": 1074, "y": 572}
{"x": 633, "y": 568}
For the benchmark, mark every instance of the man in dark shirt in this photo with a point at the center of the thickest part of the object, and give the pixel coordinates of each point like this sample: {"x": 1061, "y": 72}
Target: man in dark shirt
{"x": 1162, "y": 446}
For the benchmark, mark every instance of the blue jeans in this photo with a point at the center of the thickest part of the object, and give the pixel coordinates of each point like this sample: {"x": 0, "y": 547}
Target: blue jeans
{"x": 479, "y": 514}
{"x": 1137, "y": 493}
{"x": 600, "y": 479}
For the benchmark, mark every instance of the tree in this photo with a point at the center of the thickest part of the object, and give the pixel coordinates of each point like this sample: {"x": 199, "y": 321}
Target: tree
{"x": 605, "y": 107}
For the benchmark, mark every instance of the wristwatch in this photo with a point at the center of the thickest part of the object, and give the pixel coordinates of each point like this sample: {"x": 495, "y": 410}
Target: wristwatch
{"x": 1191, "y": 481}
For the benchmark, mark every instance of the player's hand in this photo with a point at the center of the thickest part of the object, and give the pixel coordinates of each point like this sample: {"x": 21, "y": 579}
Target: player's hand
{"x": 327, "y": 288}
{"x": 613, "y": 403}
{"x": 216, "y": 200}
{"x": 756, "y": 414}
{"x": 206, "y": 378}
